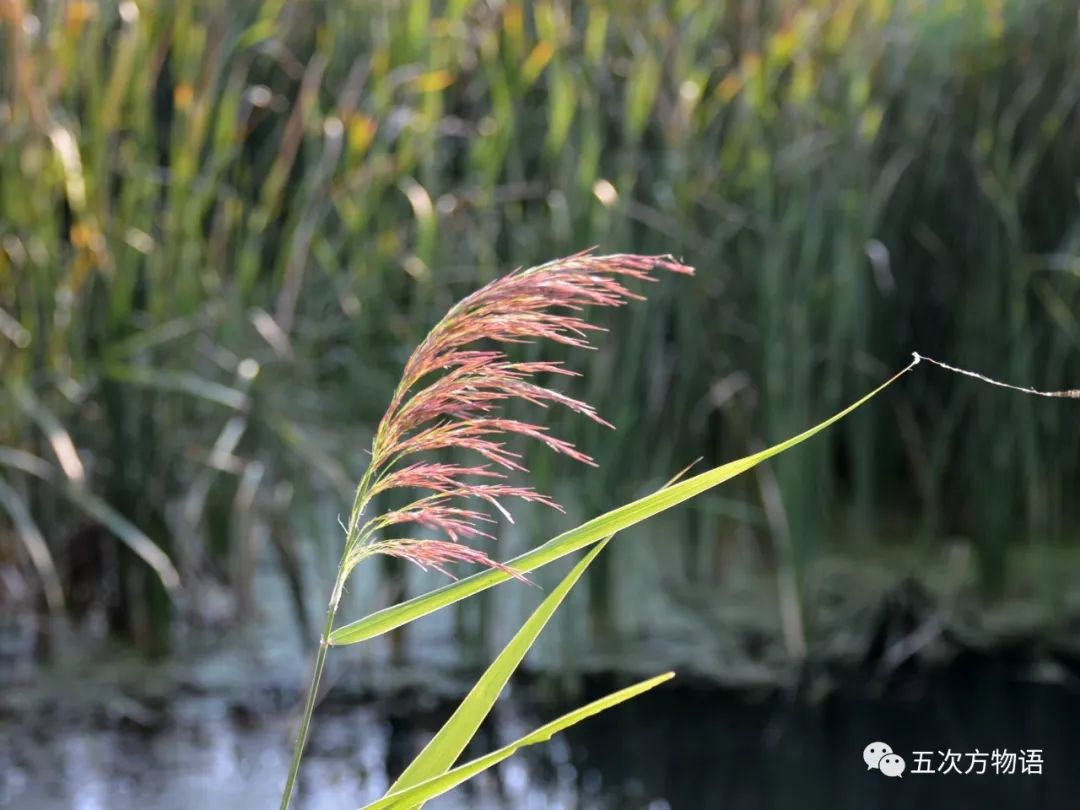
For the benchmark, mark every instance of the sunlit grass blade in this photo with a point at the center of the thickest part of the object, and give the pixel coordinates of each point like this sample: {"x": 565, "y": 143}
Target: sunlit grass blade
{"x": 446, "y": 746}
{"x": 129, "y": 534}
{"x": 181, "y": 382}
{"x": 18, "y": 459}
{"x": 62, "y": 444}
{"x": 614, "y": 521}
{"x": 294, "y": 438}
{"x": 219, "y": 459}
{"x": 168, "y": 332}
{"x": 36, "y": 547}
{"x": 418, "y": 794}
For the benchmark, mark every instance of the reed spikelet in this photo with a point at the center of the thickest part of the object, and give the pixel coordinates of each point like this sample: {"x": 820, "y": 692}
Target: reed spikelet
{"x": 449, "y": 396}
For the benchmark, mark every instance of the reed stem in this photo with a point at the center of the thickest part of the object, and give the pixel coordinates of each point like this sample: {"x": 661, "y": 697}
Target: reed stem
{"x": 313, "y": 689}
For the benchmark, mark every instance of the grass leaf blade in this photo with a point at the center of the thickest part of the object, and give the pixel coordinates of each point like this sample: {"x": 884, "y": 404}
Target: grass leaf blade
{"x": 129, "y": 534}
{"x": 418, "y": 794}
{"x": 446, "y": 746}
{"x": 182, "y": 382}
{"x": 36, "y": 547}
{"x": 590, "y": 532}
{"x": 62, "y": 444}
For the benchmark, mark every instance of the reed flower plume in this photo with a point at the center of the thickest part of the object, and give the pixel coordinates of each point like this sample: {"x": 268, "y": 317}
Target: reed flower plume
{"x": 450, "y": 397}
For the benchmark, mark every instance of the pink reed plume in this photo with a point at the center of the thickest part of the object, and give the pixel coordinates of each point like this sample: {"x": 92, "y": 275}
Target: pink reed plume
{"x": 449, "y": 394}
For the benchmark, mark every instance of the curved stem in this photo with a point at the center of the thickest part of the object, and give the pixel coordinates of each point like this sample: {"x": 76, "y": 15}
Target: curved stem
{"x": 313, "y": 691}
{"x": 349, "y": 560}
{"x": 344, "y": 569}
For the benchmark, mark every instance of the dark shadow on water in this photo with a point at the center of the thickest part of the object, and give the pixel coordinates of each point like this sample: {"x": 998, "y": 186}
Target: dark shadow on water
{"x": 686, "y": 746}
{"x": 700, "y": 747}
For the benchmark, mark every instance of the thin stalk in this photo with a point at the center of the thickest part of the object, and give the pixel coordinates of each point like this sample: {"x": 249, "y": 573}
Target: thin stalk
{"x": 348, "y": 561}
{"x": 313, "y": 689}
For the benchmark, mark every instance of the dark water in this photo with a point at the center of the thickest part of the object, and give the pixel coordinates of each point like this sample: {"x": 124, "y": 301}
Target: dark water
{"x": 685, "y": 746}
{"x": 708, "y": 748}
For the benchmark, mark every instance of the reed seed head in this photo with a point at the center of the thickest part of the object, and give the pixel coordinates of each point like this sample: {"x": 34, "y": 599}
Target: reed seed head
{"x": 451, "y": 392}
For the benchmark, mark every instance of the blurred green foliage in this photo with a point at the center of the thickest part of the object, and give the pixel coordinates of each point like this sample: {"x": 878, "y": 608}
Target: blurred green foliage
{"x": 223, "y": 226}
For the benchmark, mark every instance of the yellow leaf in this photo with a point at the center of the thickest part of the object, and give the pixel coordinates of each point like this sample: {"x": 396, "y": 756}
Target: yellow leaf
{"x": 729, "y": 86}
{"x": 183, "y": 96}
{"x": 782, "y": 45}
{"x": 361, "y": 133}
{"x": 514, "y": 25}
{"x": 536, "y": 61}
{"x": 433, "y": 81}
{"x": 78, "y": 14}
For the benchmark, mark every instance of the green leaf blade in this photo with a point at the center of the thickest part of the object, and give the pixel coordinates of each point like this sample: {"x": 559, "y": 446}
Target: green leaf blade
{"x": 418, "y": 794}
{"x": 590, "y": 532}
{"x": 446, "y": 746}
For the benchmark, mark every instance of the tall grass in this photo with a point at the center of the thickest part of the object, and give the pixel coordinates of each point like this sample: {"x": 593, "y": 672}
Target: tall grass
{"x": 219, "y": 227}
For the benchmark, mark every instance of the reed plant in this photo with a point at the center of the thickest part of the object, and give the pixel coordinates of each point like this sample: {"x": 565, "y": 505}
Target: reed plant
{"x": 450, "y": 398}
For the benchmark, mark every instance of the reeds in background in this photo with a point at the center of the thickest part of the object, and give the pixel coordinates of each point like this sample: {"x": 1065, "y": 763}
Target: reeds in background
{"x": 221, "y": 227}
